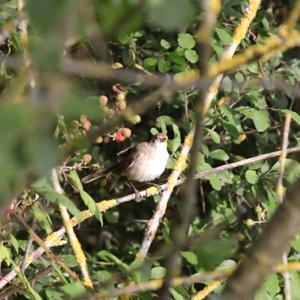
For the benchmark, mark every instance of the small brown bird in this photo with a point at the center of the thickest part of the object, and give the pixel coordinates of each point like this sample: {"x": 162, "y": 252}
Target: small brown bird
{"x": 143, "y": 162}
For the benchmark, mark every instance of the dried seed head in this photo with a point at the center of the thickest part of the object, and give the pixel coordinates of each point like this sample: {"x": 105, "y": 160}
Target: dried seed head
{"x": 121, "y": 105}
{"x": 103, "y": 100}
{"x": 87, "y": 158}
{"x": 126, "y": 132}
{"x": 99, "y": 139}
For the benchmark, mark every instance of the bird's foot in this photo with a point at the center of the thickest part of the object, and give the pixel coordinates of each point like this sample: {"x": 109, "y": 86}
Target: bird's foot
{"x": 138, "y": 196}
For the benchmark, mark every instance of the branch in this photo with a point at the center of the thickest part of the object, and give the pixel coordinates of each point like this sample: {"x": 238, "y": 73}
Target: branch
{"x": 79, "y": 254}
{"x": 211, "y": 277}
{"x": 53, "y": 258}
{"x": 280, "y": 194}
{"x": 239, "y": 34}
{"x": 15, "y": 289}
{"x": 210, "y": 13}
{"x": 95, "y": 35}
{"x": 268, "y": 248}
{"x": 153, "y": 224}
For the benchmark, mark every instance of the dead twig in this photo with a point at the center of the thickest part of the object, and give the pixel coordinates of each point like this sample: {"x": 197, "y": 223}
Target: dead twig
{"x": 280, "y": 194}
{"x": 32, "y": 280}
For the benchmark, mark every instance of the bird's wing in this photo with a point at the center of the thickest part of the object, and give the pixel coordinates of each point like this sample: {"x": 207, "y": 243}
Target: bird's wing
{"x": 137, "y": 153}
{"x": 127, "y": 158}
{"x": 125, "y": 152}
{"x": 94, "y": 176}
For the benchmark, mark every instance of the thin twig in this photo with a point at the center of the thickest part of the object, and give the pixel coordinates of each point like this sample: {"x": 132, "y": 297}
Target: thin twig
{"x": 32, "y": 280}
{"x": 280, "y": 194}
{"x": 79, "y": 254}
{"x": 154, "y": 223}
{"x": 157, "y": 283}
{"x": 55, "y": 259}
{"x": 24, "y": 42}
{"x": 28, "y": 248}
{"x": 186, "y": 280}
{"x": 238, "y": 36}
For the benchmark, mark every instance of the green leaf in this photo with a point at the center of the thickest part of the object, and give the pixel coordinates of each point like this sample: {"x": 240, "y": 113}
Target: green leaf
{"x": 260, "y": 118}
{"x": 87, "y": 199}
{"x": 226, "y": 265}
{"x": 239, "y": 77}
{"x": 176, "y": 141}
{"x": 292, "y": 170}
{"x": 176, "y": 295}
{"x": 233, "y": 125}
{"x": 232, "y": 129}
{"x": 14, "y": 242}
{"x": 191, "y": 56}
{"x": 4, "y": 254}
{"x": 214, "y": 136}
{"x": 44, "y": 188}
{"x": 223, "y": 35}
{"x": 54, "y": 294}
{"x": 171, "y": 14}
{"x": 106, "y": 255}
{"x": 262, "y": 295}
{"x": 296, "y": 243}
{"x": 74, "y": 289}
{"x": 163, "y": 65}
{"x": 165, "y": 44}
{"x": 215, "y": 182}
{"x": 219, "y": 154}
{"x": 158, "y": 272}
{"x": 212, "y": 252}
{"x": 295, "y": 116}
{"x": 128, "y": 56}
{"x": 70, "y": 260}
{"x": 272, "y": 285}
{"x": 295, "y": 285}
{"x": 190, "y": 257}
{"x": 251, "y": 176}
{"x": 43, "y": 218}
{"x": 227, "y": 84}
{"x": 186, "y": 40}
{"x": 150, "y": 63}
{"x": 112, "y": 216}
{"x": 139, "y": 271}
{"x": 269, "y": 289}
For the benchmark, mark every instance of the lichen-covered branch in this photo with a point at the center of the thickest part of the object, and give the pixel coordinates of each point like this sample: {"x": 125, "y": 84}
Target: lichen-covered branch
{"x": 79, "y": 254}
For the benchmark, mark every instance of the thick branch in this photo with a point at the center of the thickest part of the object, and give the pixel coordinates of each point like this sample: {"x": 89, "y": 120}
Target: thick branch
{"x": 268, "y": 249}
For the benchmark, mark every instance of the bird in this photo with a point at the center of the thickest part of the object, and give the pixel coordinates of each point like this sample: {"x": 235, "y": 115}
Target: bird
{"x": 143, "y": 162}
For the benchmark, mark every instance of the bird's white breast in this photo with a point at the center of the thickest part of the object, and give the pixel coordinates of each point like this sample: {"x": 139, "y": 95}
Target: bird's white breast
{"x": 150, "y": 165}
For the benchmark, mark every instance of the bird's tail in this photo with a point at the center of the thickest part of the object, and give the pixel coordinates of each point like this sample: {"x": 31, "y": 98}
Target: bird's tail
{"x": 99, "y": 174}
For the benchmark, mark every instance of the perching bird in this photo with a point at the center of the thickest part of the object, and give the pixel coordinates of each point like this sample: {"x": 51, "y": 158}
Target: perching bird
{"x": 143, "y": 162}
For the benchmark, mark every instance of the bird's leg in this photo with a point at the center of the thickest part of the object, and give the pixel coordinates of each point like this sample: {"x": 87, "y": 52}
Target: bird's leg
{"x": 137, "y": 193}
{"x": 159, "y": 188}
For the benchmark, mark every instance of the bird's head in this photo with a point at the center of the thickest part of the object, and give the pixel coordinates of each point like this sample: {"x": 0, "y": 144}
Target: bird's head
{"x": 159, "y": 138}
